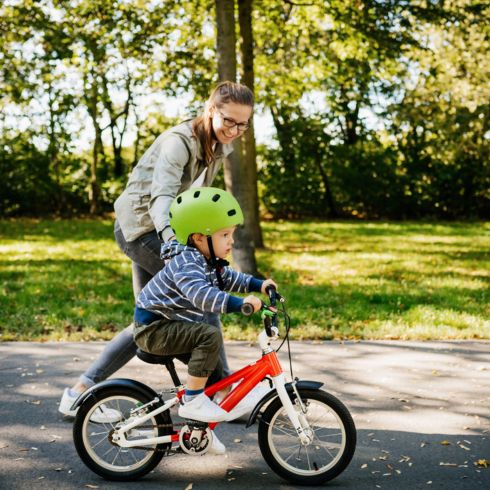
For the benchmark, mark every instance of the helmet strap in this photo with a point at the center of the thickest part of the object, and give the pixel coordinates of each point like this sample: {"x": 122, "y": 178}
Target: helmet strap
{"x": 215, "y": 263}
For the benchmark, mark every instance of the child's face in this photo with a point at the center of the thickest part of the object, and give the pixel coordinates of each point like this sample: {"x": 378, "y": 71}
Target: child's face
{"x": 222, "y": 242}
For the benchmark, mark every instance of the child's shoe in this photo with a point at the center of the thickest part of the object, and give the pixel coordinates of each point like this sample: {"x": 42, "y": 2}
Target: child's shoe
{"x": 102, "y": 415}
{"x": 202, "y": 409}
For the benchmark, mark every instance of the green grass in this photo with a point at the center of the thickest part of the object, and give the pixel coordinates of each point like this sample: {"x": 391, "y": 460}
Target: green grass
{"x": 67, "y": 280}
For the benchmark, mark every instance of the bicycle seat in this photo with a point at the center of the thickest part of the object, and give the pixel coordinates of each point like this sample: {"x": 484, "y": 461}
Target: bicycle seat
{"x": 153, "y": 358}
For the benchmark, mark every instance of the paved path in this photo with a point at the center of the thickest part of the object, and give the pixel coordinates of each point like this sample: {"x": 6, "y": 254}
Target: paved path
{"x": 422, "y": 410}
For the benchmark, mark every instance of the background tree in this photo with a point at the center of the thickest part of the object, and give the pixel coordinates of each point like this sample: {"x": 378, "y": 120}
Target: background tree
{"x": 380, "y": 108}
{"x": 239, "y": 169}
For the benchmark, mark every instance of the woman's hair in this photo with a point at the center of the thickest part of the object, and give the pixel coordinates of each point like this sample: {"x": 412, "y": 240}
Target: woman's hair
{"x": 224, "y": 93}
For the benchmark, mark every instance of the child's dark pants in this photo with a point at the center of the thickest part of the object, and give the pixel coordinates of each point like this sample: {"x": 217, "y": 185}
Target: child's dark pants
{"x": 197, "y": 343}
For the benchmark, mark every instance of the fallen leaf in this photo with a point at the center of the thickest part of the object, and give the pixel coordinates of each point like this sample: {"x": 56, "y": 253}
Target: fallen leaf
{"x": 237, "y": 440}
{"x": 33, "y": 402}
{"x": 462, "y": 446}
{"x": 483, "y": 463}
{"x": 4, "y": 446}
{"x": 91, "y": 486}
{"x": 445, "y": 443}
{"x": 189, "y": 487}
{"x": 364, "y": 466}
{"x": 447, "y": 464}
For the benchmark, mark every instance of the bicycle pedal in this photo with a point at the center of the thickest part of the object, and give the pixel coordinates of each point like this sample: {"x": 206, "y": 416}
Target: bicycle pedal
{"x": 196, "y": 424}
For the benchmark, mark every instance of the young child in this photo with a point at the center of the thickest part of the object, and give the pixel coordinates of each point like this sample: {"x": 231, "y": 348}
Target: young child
{"x": 173, "y": 310}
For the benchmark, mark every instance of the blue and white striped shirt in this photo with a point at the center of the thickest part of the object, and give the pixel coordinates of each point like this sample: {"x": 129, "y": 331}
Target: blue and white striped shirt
{"x": 187, "y": 287}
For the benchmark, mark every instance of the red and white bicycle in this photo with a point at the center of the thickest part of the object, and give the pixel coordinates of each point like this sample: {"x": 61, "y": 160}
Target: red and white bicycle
{"x": 306, "y": 435}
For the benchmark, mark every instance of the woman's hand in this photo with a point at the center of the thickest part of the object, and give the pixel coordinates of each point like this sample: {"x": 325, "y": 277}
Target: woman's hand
{"x": 254, "y": 301}
{"x": 265, "y": 284}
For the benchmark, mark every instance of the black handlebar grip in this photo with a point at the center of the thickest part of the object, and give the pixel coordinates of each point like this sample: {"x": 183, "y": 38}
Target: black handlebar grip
{"x": 247, "y": 309}
{"x": 271, "y": 291}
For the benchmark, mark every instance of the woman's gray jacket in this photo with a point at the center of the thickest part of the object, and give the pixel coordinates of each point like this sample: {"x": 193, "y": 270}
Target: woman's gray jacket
{"x": 170, "y": 166}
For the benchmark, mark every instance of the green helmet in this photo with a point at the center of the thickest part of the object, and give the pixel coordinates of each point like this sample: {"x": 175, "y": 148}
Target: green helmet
{"x": 203, "y": 210}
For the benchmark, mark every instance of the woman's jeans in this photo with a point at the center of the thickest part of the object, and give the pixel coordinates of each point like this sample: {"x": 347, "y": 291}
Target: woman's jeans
{"x": 144, "y": 253}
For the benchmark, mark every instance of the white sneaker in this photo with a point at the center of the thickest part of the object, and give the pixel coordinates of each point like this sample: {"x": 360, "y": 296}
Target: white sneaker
{"x": 102, "y": 415}
{"x": 217, "y": 447}
{"x": 201, "y": 408}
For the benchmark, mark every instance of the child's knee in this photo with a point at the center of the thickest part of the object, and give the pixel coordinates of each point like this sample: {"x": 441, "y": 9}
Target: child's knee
{"x": 214, "y": 339}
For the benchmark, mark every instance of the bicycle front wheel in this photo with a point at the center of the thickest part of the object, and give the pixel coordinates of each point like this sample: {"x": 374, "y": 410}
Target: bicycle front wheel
{"x": 333, "y": 439}
{"x": 93, "y": 437}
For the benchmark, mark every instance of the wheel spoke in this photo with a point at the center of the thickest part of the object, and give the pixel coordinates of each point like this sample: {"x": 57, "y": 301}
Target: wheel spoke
{"x": 322, "y": 454}
{"x": 95, "y": 448}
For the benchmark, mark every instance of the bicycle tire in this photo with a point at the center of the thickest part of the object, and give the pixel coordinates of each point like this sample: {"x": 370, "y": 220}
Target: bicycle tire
{"x": 274, "y": 438}
{"x": 82, "y": 436}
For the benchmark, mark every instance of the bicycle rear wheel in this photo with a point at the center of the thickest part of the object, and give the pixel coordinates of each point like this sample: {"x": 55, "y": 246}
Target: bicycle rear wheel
{"x": 332, "y": 448}
{"x": 93, "y": 439}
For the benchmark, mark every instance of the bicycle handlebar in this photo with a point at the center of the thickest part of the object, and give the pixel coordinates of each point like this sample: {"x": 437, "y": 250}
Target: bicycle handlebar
{"x": 247, "y": 309}
{"x": 269, "y": 316}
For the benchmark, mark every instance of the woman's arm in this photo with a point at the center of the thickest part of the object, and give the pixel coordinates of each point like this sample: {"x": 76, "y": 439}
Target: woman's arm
{"x": 174, "y": 155}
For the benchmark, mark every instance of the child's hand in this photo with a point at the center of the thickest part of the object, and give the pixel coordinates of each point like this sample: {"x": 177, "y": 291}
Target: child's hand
{"x": 267, "y": 282}
{"x": 254, "y": 301}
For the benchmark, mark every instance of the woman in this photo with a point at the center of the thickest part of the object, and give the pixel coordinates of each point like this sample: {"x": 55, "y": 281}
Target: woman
{"x": 190, "y": 154}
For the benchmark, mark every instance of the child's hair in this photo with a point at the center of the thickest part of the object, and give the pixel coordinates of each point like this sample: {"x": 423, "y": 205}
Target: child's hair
{"x": 224, "y": 93}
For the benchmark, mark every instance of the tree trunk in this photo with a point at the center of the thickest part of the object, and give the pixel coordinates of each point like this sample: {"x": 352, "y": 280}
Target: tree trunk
{"x": 243, "y": 250}
{"x": 250, "y": 193}
{"x": 94, "y": 191}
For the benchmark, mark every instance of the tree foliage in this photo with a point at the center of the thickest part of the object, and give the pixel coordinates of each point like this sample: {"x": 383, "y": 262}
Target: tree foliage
{"x": 380, "y": 108}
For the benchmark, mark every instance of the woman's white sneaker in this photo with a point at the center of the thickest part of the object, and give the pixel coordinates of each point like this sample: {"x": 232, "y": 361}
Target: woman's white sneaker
{"x": 102, "y": 415}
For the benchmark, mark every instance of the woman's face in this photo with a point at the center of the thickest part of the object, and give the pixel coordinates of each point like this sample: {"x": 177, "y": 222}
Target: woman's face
{"x": 230, "y": 121}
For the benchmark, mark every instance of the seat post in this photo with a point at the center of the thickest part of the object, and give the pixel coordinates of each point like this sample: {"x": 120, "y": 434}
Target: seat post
{"x": 173, "y": 373}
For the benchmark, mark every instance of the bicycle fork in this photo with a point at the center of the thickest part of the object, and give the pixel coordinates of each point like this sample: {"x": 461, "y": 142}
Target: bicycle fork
{"x": 297, "y": 417}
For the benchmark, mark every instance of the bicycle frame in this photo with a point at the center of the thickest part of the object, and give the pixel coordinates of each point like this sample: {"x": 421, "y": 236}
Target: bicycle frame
{"x": 251, "y": 375}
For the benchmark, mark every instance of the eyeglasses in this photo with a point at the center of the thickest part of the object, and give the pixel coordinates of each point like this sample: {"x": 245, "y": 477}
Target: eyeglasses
{"x": 231, "y": 123}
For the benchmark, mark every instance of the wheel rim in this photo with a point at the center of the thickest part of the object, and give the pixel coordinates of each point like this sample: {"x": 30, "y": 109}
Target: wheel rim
{"x": 107, "y": 455}
{"x": 322, "y": 454}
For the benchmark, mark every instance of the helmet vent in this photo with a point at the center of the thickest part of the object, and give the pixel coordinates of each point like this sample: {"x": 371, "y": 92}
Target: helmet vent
{"x": 170, "y": 215}
{"x": 179, "y": 199}
{"x": 216, "y": 197}
{"x": 196, "y": 194}
{"x": 232, "y": 212}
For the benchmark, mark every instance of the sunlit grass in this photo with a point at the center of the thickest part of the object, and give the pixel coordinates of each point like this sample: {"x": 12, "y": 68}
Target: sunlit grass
{"x": 342, "y": 280}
